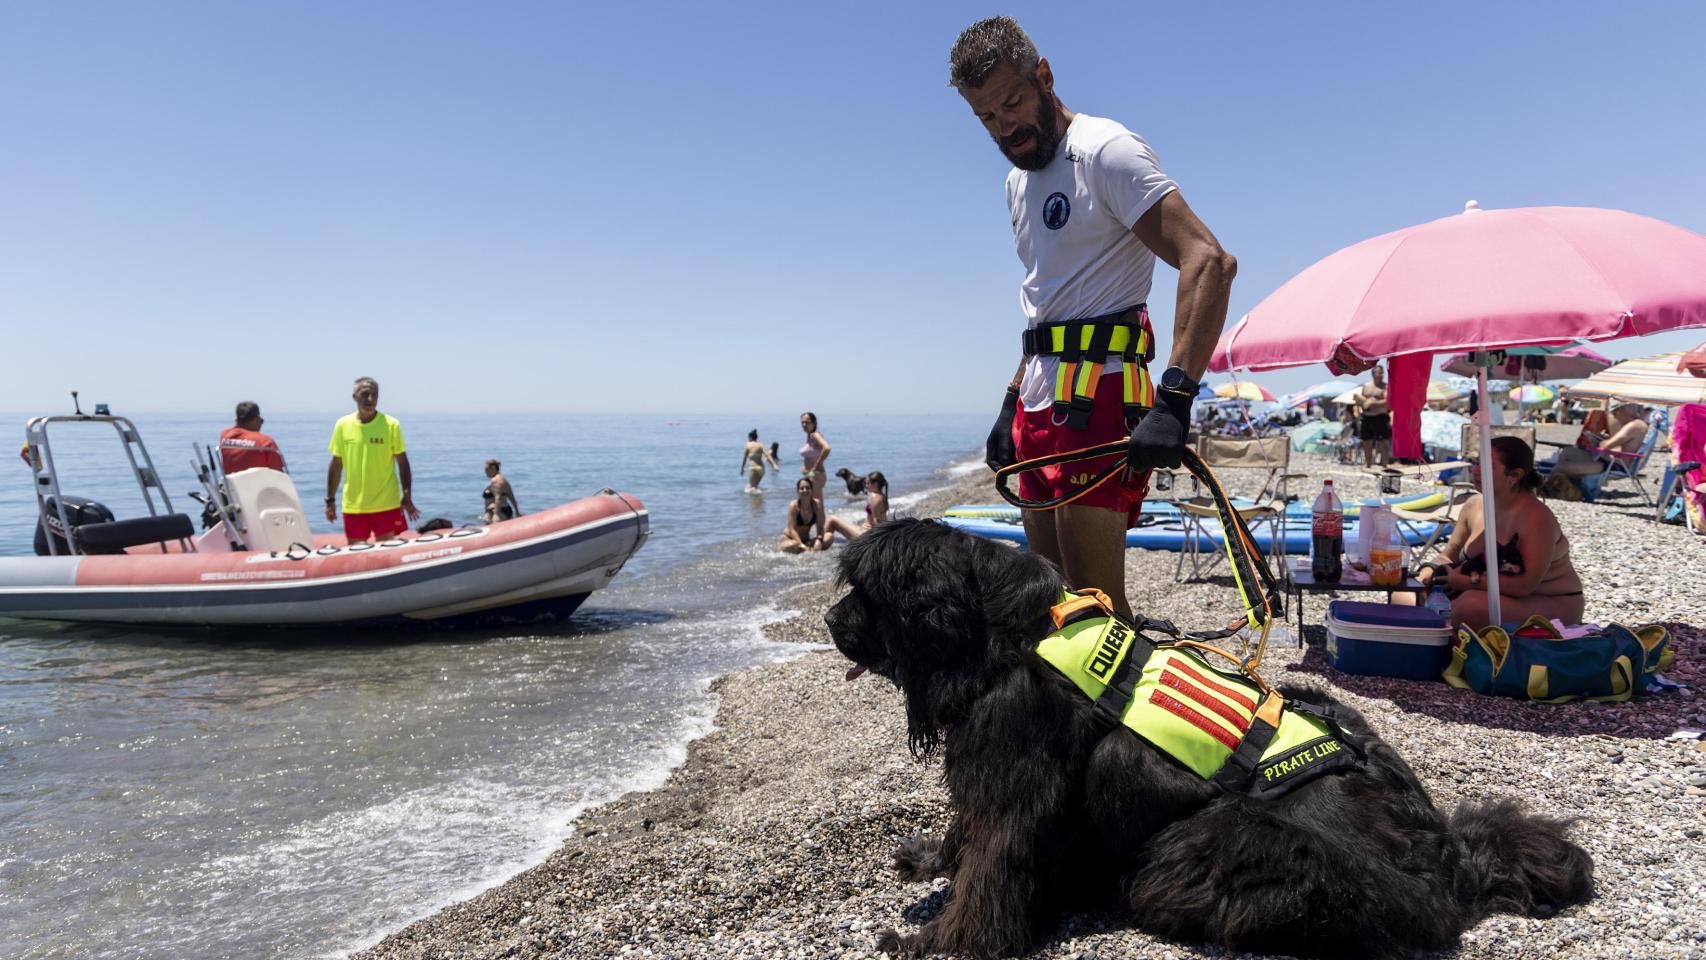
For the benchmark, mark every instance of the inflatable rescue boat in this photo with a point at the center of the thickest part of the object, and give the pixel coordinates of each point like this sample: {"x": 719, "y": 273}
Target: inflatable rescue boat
{"x": 257, "y": 563}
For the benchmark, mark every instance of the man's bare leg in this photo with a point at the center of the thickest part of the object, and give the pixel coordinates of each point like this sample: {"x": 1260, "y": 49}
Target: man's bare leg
{"x": 1040, "y": 535}
{"x": 1091, "y": 543}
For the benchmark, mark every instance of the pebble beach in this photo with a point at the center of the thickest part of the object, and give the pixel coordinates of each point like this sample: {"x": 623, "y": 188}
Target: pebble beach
{"x": 773, "y": 838}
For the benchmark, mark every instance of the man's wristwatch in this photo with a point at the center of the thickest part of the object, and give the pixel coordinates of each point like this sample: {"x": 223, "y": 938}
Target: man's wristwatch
{"x": 1175, "y": 381}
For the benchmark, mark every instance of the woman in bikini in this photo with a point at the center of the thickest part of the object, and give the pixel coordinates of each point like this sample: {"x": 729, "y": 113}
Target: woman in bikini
{"x": 753, "y": 459}
{"x": 1535, "y": 572}
{"x": 813, "y": 453}
{"x": 877, "y": 499}
{"x": 805, "y": 527}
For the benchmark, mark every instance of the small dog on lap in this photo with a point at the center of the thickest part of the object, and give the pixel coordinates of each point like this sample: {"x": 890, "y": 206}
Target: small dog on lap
{"x": 1054, "y": 812}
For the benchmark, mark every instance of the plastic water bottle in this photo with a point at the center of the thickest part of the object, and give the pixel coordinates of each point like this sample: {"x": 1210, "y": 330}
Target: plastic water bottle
{"x": 1439, "y": 603}
{"x": 1327, "y": 543}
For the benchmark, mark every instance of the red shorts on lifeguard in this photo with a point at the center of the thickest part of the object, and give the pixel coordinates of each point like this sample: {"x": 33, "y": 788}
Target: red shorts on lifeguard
{"x": 1036, "y": 435}
{"x": 380, "y": 526}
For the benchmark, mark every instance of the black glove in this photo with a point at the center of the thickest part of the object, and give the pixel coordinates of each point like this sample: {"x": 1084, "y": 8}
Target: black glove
{"x": 998, "y": 450}
{"x": 1158, "y": 440}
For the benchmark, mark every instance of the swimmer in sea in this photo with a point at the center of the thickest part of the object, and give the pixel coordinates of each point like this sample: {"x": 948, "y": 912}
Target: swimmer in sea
{"x": 753, "y": 459}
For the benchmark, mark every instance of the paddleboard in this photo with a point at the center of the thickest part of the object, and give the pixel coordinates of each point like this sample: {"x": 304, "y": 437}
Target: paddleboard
{"x": 1167, "y": 508}
{"x": 1165, "y": 534}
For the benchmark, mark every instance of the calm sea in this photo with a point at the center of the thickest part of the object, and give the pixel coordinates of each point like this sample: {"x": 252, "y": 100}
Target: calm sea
{"x": 299, "y": 794}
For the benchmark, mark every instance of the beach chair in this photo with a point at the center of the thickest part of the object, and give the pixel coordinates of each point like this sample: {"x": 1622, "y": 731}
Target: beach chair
{"x": 1437, "y": 520}
{"x": 1674, "y": 492}
{"x": 1223, "y": 454}
{"x": 1620, "y": 465}
{"x": 1428, "y": 473}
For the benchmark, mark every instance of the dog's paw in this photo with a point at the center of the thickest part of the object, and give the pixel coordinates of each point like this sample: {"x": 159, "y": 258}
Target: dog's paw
{"x": 892, "y": 943}
{"x": 918, "y": 858}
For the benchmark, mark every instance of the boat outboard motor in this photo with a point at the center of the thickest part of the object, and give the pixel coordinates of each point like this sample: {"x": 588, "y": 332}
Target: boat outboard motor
{"x": 78, "y": 510}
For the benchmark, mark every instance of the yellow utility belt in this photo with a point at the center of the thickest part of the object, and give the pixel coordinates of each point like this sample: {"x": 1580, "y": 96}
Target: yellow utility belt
{"x": 1084, "y": 348}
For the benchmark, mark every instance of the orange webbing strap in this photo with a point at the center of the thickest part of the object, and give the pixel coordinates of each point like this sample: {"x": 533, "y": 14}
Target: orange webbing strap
{"x": 1255, "y": 582}
{"x": 1089, "y": 598}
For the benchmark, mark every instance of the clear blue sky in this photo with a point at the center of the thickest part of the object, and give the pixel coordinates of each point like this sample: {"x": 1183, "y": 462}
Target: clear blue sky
{"x": 722, "y": 207}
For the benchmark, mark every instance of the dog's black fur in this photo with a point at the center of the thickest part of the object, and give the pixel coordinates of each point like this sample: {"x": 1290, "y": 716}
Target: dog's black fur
{"x": 1051, "y": 816}
{"x": 855, "y": 481}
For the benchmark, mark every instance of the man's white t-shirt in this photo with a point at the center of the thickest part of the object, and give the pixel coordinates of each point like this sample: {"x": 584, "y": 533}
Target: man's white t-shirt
{"x": 1072, "y": 225}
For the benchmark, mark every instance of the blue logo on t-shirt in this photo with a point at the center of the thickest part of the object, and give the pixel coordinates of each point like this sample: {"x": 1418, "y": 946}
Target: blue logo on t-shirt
{"x": 1055, "y": 211}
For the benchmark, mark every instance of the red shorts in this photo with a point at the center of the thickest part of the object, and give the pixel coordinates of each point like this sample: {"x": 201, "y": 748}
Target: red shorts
{"x": 1036, "y": 435}
{"x": 381, "y": 525}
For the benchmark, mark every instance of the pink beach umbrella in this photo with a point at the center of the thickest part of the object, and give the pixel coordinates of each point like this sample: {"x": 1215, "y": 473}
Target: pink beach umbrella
{"x": 1478, "y": 281}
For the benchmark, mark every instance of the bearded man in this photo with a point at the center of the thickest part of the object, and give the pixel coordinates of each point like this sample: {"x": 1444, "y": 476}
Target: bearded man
{"x": 1091, "y": 210}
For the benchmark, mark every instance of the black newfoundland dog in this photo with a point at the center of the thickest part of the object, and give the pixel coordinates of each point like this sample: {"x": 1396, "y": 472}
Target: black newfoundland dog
{"x": 1051, "y": 816}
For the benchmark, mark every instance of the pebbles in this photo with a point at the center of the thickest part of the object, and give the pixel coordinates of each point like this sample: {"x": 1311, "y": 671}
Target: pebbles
{"x": 774, "y": 838}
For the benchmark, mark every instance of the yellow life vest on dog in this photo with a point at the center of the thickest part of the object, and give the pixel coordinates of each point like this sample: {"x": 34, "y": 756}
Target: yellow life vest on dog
{"x": 1225, "y": 727}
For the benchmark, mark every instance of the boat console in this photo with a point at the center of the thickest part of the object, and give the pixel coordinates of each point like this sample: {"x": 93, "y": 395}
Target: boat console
{"x": 270, "y": 512}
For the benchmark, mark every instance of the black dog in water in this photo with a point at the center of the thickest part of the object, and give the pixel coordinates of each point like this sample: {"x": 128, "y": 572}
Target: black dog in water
{"x": 855, "y": 481}
{"x": 1050, "y": 815}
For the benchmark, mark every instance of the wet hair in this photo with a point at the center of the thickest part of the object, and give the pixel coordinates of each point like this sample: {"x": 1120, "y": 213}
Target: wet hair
{"x": 986, "y": 45}
{"x": 248, "y": 410}
{"x": 876, "y": 479}
{"x": 1516, "y": 454}
{"x": 774, "y": 446}
{"x": 752, "y": 434}
{"x": 813, "y": 417}
{"x": 494, "y": 465}
{"x": 367, "y": 380}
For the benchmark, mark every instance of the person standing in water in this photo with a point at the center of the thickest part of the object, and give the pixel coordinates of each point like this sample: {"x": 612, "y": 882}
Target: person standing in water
{"x": 1091, "y": 210}
{"x": 753, "y": 459}
{"x": 813, "y": 453}
{"x": 499, "y": 496}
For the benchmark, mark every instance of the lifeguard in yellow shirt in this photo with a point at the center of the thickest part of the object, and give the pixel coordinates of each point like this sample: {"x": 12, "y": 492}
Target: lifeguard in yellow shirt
{"x": 369, "y": 456}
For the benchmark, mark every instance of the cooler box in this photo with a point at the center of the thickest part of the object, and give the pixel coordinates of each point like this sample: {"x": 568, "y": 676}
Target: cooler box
{"x": 1380, "y": 640}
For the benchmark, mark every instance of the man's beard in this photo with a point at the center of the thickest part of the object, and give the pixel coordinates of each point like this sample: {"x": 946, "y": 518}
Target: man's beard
{"x": 1044, "y": 136}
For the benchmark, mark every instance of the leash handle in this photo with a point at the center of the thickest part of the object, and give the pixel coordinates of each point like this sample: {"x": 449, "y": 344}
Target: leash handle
{"x": 1255, "y": 582}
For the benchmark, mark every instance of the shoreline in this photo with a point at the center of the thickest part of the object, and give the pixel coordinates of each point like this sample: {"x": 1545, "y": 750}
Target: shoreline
{"x": 773, "y": 836}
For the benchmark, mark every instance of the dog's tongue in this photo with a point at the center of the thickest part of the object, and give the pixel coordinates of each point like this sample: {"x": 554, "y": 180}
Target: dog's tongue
{"x": 856, "y": 670}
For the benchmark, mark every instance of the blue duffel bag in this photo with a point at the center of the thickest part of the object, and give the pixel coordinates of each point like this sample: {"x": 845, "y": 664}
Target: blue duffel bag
{"x": 1533, "y": 662}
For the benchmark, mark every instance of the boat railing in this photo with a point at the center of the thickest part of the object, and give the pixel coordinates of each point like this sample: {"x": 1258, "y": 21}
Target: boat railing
{"x": 45, "y": 473}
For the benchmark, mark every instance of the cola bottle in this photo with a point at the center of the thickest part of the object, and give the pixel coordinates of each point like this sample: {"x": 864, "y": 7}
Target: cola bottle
{"x": 1327, "y": 543}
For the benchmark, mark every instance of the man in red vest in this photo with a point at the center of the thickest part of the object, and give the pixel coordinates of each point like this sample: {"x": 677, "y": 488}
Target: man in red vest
{"x": 244, "y": 445}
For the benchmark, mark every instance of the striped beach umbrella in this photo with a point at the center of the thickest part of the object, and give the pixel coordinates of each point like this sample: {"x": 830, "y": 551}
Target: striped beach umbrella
{"x": 1439, "y": 391}
{"x": 1654, "y": 379}
{"x": 1533, "y": 394}
{"x": 1242, "y": 390}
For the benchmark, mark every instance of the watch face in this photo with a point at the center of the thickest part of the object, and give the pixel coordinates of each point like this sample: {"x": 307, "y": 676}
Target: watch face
{"x": 1173, "y": 379}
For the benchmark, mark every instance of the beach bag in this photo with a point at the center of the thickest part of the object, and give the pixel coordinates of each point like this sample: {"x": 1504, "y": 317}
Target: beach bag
{"x": 1559, "y": 487}
{"x": 1534, "y": 663}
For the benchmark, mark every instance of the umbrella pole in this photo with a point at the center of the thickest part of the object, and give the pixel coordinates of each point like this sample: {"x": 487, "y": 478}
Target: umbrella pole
{"x": 1490, "y": 541}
